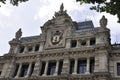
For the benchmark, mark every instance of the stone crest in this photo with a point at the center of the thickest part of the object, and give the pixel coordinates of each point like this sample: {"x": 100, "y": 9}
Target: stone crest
{"x": 56, "y": 37}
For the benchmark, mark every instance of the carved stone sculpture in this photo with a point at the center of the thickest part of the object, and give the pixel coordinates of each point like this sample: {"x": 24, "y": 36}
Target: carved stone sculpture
{"x": 103, "y": 22}
{"x": 61, "y": 8}
{"x": 18, "y": 34}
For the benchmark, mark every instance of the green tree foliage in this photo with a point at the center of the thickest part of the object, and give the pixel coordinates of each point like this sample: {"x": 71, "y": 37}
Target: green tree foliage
{"x": 13, "y": 2}
{"x": 108, "y": 6}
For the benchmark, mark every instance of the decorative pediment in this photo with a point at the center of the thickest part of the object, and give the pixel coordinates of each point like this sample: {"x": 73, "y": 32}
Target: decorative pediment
{"x": 61, "y": 17}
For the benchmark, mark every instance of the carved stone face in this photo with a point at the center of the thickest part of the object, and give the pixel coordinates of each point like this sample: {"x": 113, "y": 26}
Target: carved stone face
{"x": 56, "y": 37}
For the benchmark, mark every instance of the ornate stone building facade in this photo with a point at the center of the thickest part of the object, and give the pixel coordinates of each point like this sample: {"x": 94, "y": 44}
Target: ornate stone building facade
{"x": 65, "y": 50}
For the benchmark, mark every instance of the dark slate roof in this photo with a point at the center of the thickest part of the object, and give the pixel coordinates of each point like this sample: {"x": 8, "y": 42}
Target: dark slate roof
{"x": 85, "y": 25}
{"x": 116, "y": 46}
{"x": 31, "y": 38}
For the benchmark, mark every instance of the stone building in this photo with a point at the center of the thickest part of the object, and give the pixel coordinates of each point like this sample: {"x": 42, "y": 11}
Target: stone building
{"x": 65, "y": 50}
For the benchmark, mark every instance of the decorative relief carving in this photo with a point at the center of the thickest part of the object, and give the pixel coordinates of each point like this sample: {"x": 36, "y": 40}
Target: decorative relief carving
{"x": 56, "y": 37}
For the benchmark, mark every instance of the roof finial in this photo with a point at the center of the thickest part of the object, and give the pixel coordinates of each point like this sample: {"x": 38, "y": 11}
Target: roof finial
{"x": 61, "y": 7}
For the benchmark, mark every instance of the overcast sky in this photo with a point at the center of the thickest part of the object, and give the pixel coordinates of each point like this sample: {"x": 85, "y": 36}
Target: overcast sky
{"x": 32, "y": 14}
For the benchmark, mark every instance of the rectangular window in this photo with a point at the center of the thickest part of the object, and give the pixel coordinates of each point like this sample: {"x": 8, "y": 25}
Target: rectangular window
{"x": 72, "y": 62}
{"x": 42, "y": 68}
{"x": 30, "y": 48}
{"x": 81, "y": 66}
{"x": 51, "y": 68}
{"x": 92, "y": 63}
{"x": 16, "y": 70}
{"x": 0, "y": 72}
{"x": 32, "y": 69}
{"x": 118, "y": 69}
{"x": 83, "y": 43}
{"x": 21, "y": 49}
{"x": 92, "y": 41}
{"x": 60, "y": 67}
{"x": 24, "y": 70}
{"x": 73, "y": 43}
{"x": 37, "y": 47}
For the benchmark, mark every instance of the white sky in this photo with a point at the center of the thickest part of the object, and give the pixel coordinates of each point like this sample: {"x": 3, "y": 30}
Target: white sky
{"x": 32, "y": 14}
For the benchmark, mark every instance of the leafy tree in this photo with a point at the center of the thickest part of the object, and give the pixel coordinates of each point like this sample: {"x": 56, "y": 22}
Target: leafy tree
{"x": 111, "y": 6}
{"x": 108, "y": 6}
{"x": 13, "y": 2}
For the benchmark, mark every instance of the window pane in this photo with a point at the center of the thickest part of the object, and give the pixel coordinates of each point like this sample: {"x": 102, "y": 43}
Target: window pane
{"x": 73, "y": 43}
{"x": 51, "y": 68}
{"x": 118, "y": 69}
{"x": 60, "y": 67}
{"x": 42, "y": 68}
{"x": 82, "y": 66}
{"x": 24, "y": 70}
{"x": 71, "y": 66}
{"x": 92, "y": 62}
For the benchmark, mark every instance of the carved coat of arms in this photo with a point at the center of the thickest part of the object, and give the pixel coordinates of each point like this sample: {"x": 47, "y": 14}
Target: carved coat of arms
{"x": 56, "y": 37}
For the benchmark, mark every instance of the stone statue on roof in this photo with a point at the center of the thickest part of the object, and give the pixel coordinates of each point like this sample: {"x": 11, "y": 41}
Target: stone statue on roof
{"x": 103, "y": 22}
{"x": 61, "y": 7}
{"x": 18, "y": 34}
{"x": 61, "y": 12}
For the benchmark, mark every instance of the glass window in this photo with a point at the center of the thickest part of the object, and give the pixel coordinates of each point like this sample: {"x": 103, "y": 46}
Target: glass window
{"x": 73, "y": 43}
{"x": 51, "y": 68}
{"x": 42, "y": 68}
{"x": 0, "y": 72}
{"x": 92, "y": 62}
{"x": 37, "y": 47}
{"x": 60, "y": 67}
{"x": 82, "y": 66}
{"x": 21, "y": 49}
{"x": 33, "y": 65}
{"x": 30, "y": 48}
{"x": 24, "y": 70}
{"x": 83, "y": 43}
{"x": 71, "y": 66}
{"x": 16, "y": 70}
{"x": 92, "y": 41}
{"x": 118, "y": 69}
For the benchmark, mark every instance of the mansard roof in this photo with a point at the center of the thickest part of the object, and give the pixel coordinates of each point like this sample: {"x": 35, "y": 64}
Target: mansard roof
{"x": 85, "y": 25}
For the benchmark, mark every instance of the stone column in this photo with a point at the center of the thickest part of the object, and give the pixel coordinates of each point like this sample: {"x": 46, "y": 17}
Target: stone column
{"x": 19, "y": 70}
{"x": 29, "y": 70}
{"x": 88, "y": 66}
{"x": 78, "y": 43}
{"x": 66, "y": 64}
{"x": 88, "y": 42}
{"x": 41, "y": 46}
{"x": 25, "y": 50}
{"x": 46, "y": 69}
{"x": 68, "y": 43}
{"x": 75, "y": 66}
{"x": 56, "y": 69}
